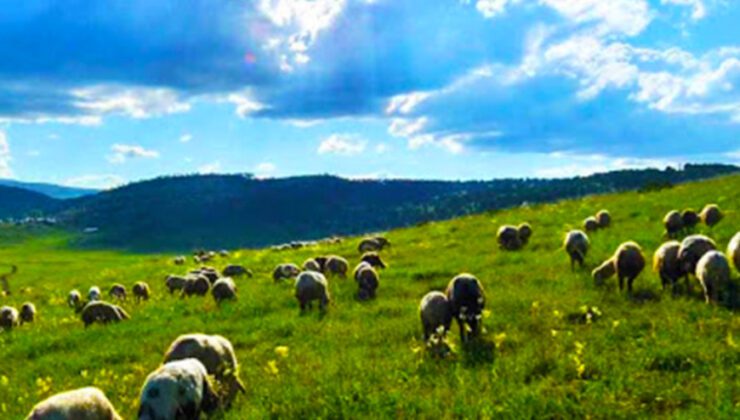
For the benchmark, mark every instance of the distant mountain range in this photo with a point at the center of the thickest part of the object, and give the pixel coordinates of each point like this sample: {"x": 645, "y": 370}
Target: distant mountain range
{"x": 51, "y": 190}
{"x": 225, "y": 211}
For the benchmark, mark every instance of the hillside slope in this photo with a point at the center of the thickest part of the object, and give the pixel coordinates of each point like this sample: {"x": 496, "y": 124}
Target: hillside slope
{"x": 650, "y": 356}
{"x": 51, "y": 190}
{"x": 19, "y": 202}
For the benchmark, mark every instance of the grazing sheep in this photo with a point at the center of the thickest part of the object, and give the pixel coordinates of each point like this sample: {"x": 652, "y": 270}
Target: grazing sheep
{"x": 373, "y": 259}
{"x": 692, "y": 248}
{"x": 666, "y": 264}
{"x": 690, "y": 219}
{"x": 141, "y": 291}
{"x": 576, "y": 245}
{"x": 216, "y": 354}
{"x": 223, "y": 253}
{"x": 604, "y": 271}
{"x": 467, "y": 300}
{"x": 367, "y": 281}
{"x": 118, "y": 291}
{"x": 94, "y": 294}
{"x": 590, "y": 224}
{"x": 435, "y": 311}
{"x": 223, "y": 289}
{"x": 508, "y": 238}
{"x": 74, "y": 299}
{"x": 28, "y": 312}
{"x": 629, "y": 263}
{"x": 180, "y": 260}
{"x": 336, "y": 265}
{"x": 673, "y": 223}
{"x": 198, "y": 286}
{"x": 525, "y": 232}
{"x": 285, "y": 271}
{"x": 234, "y": 270}
{"x": 603, "y": 218}
{"x": 177, "y": 390}
{"x": 710, "y": 215}
{"x": 208, "y": 272}
{"x": 310, "y": 286}
{"x": 376, "y": 243}
{"x": 102, "y": 312}
{"x": 322, "y": 263}
{"x": 8, "y": 318}
{"x": 733, "y": 251}
{"x": 713, "y": 272}
{"x": 80, "y": 404}
{"x": 311, "y": 265}
{"x": 175, "y": 283}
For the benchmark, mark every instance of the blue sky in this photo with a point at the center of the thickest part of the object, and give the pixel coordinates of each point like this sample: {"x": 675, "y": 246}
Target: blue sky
{"x": 101, "y": 93}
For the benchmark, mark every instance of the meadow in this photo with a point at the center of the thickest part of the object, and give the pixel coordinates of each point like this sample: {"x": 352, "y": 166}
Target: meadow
{"x": 651, "y": 355}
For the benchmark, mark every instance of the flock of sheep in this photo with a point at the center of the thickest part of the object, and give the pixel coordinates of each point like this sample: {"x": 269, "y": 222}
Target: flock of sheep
{"x": 199, "y": 373}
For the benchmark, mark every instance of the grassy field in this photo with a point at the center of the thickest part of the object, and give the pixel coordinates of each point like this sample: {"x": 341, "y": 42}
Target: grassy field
{"x": 649, "y": 356}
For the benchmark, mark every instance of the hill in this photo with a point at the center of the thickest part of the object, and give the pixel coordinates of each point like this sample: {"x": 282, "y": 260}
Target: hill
{"x": 51, "y": 190}
{"x": 18, "y": 202}
{"x": 647, "y": 356}
{"x": 182, "y": 213}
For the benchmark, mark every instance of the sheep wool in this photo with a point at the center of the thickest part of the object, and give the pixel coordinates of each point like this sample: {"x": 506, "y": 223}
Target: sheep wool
{"x": 435, "y": 312}
{"x": 590, "y": 224}
{"x": 467, "y": 300}
{"x": 80, "y": 404}
{"x": 311, "y": 286}
{"x": 178, "y": 389}
{"x": 576, "y": 244}
{"x": 28, "y": 312}
{"x": 603, "y": 218}
{"x": 673, "y": 223}
{"x": 9, "y": 318}
{"x": 285, "y": 271}
{"x": 102, "y": 312}
{"x": 141, "y": 291}
{"x": 223, "y": 289}
{"x": 336, "y": 265}
{"x": 629, "y": 262}
{"x": 693, "y": 247}
{"x": 711, "y": 215}
{"x": 666, "y": 264}
{"x": 733, "y": 251}
{"x": 713, "y": 272}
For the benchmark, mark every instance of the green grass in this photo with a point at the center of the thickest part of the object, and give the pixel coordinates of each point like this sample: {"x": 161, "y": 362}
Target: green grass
{"x": 660, "y": 357}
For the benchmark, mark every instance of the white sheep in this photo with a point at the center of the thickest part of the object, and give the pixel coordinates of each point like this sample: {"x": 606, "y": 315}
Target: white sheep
{"x": 713, "y": 272}
{"x": 80, "y": 404}
{"x": 576, "y": 245}
{"x": 435, "y": 311}
{"x": 223, "y": 289}
{"x": 310, "y": 286}
{"x": 179, "y": 389}
{"x": 733, "y": 251}
{"x": 666, "y": 264}
{"x": 9, "y": 318}
{"x": 93, "y": 294}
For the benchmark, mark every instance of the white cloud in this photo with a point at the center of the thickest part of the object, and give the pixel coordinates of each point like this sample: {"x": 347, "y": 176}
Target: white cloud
{"x": 404, "y": 127}
{"x": 405, "y": 103}
{"x": 493, "y": 8}
{"x": 698, "y": 9}
{"x": 245, "y": 104}
{"x": 185, "y": 138}
{"x": 5, "y": 157}
{"x": 122, "y": 152}
{"x": 381, "y": 148}
{"x": 135, "y": 102}
{"x": 342, "y": 144}
{"x": 210, "y": 168}
{"x": 264, "y": 169}
{"x": 621, "y": 17}
{"x": 97, "y": 181}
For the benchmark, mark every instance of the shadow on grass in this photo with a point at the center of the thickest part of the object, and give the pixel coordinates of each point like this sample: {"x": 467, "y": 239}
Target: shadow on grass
{"x": 645, "y": 295}
{"x": 477, "y": 352}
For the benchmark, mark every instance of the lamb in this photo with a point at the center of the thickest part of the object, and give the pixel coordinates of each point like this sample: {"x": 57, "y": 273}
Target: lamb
{"x": 74, "y": 299}
{"x": 179, "y": 260}
{"x": 336, "y": 265}
{"x": 690, "y": 219}
{"x": 179, "y": 389}
{"x": 692, "y": 248}
{"x": 175, "y": 283}
{"x": 435, "y": 311}
{"x": 508, "y": 238}
{"x": 8, "y": 318}
{"x": 367, "y": 281}
{"x": 713, "y": 272}
{"x": 80, "y": 404}
{"x": 673, "y": 223}
{"x": 118, "y": 291}
{"x": 310, "y": 286}
{"x": 141, "y": 291}
{"x": 711, "y": 215}
{"x": 223, "y": 289}
{"x": 590, "y": 224}
{"x": 373, "y": 259}
{"x": 628, "y": 262}
{"x": 235, "y": 270}
{"x": 576, "y": 245}
{"x": 376, "y": 243}
{"x": 94, "y": 294}
{"x": 733, "y": 250}
{"x": 666, "y": 264}
{"x": 603, "y": 218}
{"x": 102, "y": 312}
{"x": 28, "y": 313}
{"x": 216, "y": 354}
{"x": 467, "y": 300}
{"x": 198, "y": 286}
{"x": 525, "y": 232}
{"x": 285, "y": 271}
{"x": 311, "y": 265}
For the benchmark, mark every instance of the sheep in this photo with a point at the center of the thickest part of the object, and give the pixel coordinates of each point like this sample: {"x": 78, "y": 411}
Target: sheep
{"x": 179, "y": 389}
{"x": 367, "y": 281}
{"x": 524, "y": 231}
{"x": 311, "y": 265}
{"x": 223, "y": 289}
{"x": 508, "y": 238}
{"x": 235, "y": 270}
{"x": 713, "y": 272}
{"x": 94, "y": 294}
{"x": 710, "y": 215}
{"x": 27, "y": 313}
{"x": 673, "y": 223}
{"x": 216, "y": 354}
{"x": 179, "y": 260}
{"x": 733, "y": 251}
{"x": 693, "y": 247}
{"x": 603, "y": 218}
{"x": 80, "y": 404}
{"x": 604, "y": 271}
{"x": 689, "y": 218}
{"x": 666, "y": 264}
{"x": 8, "y": 318}
{"x": 175, "y": 282}
{"x": 467, "y": 300}
{"x": 590, "y": 224}
{"x": 74, "y": 299}
{"x": 373, "y": 259}
{"x": 118, "y": 291}
{"x": 376, "y": 243}
{"x": 141, "y": 291}
{"x": 198, "y": 286}
{"x": 435, "y": 311}
{"x": 102, "y": 312}
{"x": 576, "y": 245}
{"x": 321, "y": 261}
{"x": 310, "y": 286}
{"x": 336, "y": 265}
{"x": 285, "y": 271}
{"x": 223, "y": 253}
{"x": 208, "y": 272}
{"x": 629, "y": 263}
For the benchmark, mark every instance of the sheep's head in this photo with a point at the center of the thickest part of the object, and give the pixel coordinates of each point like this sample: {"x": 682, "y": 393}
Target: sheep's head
{"x": 373, "y": 259}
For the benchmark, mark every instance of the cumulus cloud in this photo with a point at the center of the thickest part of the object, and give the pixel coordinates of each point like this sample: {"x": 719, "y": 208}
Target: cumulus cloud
{"x": 5, "y": 158}
{"x": 698, "y": 9}
{"x": 342, "y": 144}
{"x": 120, "y": 153}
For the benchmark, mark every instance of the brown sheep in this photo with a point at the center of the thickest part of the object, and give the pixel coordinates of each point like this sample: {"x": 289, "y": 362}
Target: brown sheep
{"x": 198, "y": 286}
{"x": 508, "y": 238}
{"x": 223, "y": 289}
{"x": 603, "y": 218}
{"x": 373, "y": 259}
{"x": 525, "y": 232}
{"x": 673, "y": 223}
{"x": 629, "y": 262}
{"x": 467, "y": 300}
{"x": 336, "y": 265}
{"x": 711, "y": 215}
{"x": 576, "y": 245}
{"x": 285, "y": 271}
{"x": 666, "y": 264}
{"x": 141, "y": 291}
{"x": 590, "y": 224}
{"x": 118, "y": 291}
{"x": 367, "y": 281}
{"x": 690, "y": 219}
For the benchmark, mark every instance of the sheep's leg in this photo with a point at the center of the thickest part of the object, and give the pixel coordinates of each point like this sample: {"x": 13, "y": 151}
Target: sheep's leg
{"x": 427, "y": 329}
{"x": 630, "y": 280}
{"x": 621, "y": 283}
{"x": 461, "y": 325}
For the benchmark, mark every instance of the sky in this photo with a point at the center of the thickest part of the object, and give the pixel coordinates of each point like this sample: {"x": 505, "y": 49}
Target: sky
{"x": 98, "y": 94}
